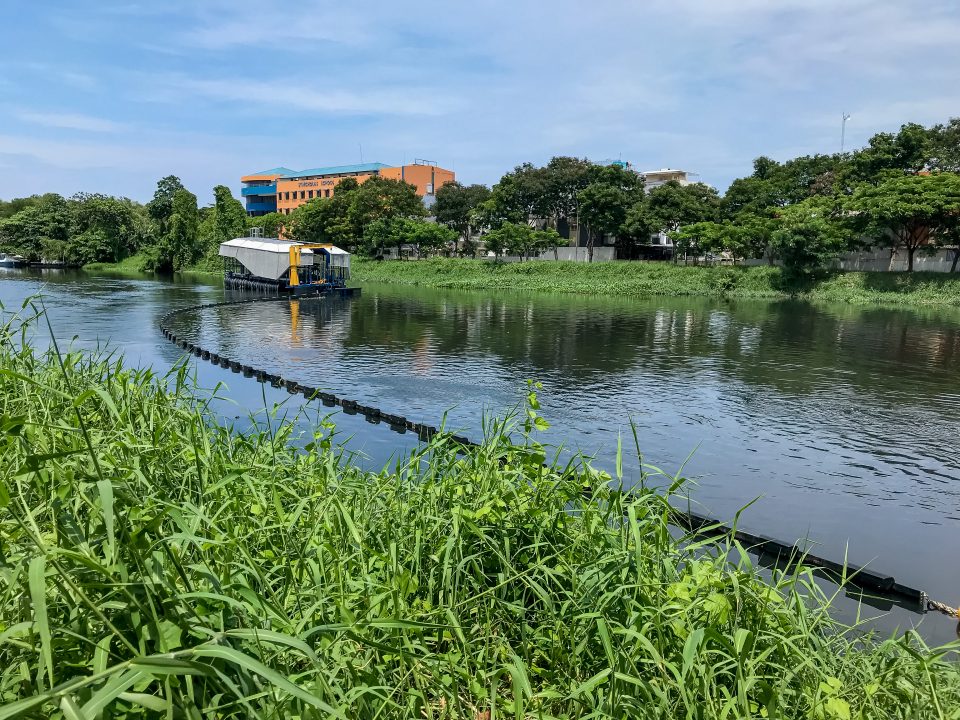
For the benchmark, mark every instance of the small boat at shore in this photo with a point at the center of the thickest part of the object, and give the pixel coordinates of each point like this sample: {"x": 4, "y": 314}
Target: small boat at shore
{"x": 12, "y": 261}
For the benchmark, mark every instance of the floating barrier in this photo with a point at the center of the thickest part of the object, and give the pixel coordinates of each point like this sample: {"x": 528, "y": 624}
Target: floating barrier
{"x": 783, "y": 554}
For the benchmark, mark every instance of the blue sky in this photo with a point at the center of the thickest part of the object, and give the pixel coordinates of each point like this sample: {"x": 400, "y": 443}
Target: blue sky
{"x": 109, "y": 96}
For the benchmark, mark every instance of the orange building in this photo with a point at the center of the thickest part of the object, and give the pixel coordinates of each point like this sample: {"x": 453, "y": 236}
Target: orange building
{"x": 283, "y": 190}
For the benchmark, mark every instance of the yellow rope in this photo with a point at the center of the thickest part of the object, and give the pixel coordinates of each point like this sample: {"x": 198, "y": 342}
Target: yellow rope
{"x": 945, "y": 609}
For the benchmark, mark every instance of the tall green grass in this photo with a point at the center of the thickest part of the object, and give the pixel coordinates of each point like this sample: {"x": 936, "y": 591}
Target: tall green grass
{"x": 641, "y": 279}
{"x": 157, "y": 563}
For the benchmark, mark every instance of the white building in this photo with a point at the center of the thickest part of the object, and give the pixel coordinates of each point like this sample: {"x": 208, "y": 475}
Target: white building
{"x": 656, "y": 178}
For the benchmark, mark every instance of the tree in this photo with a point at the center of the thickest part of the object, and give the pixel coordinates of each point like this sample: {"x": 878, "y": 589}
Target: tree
{"x": 495, "y": 241}
{"x": 378, "y": 198}
{"x": 543, "y": 239}
{"x": 225, "y": 221}
{"x": 756, "y": 196}
{"x": 741, "y": 240}
{"x": 605, "y": 201}
{"x": 910, "y": 212}
{"x": 509, "y": 237}
{"x": 954, "y": 239}
{"x": 9, "y": 208}
{"x": 945, "y": 146}
{"x": 603, "y": 208}
{"x": 636, "y": 224}
{"x": 180, "y": 246}
{"x": 108, "y": 228}
{"x": 672, "y": 205}
{"x": 398, "y": 231}
{"x": 271, "y": 223}
{"x": 427, "y": 236}
{"x": 889, "y": 155}
{"x": 42, "y": 226}
{"x": 380, "y": 234}
{"x": 231, "y": 218}
{"x": 343, "y": 219}
{"x": 326, "y": 220}
{"x": 322, "y": 220}
{"x": 701, "y": 238}
{"x": 455, "y": 205}
{"x": 562, "y": 180}
{"x": 520, "y": 195}
{"x": 808, "y": 235}
{"x": 161, "y": 207}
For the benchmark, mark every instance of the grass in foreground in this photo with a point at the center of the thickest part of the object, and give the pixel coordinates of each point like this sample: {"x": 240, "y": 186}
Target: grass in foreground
{"x": 155, "y": 563}
{"x": 642, "y": 279}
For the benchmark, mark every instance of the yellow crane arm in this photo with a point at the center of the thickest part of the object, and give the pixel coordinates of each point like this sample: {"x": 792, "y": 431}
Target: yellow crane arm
{"x": 295, "y": 258}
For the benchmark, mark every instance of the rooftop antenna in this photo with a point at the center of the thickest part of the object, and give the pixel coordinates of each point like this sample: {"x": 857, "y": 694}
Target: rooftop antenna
{"x": 361, "y": 152}
{"x": 843, "y": 130}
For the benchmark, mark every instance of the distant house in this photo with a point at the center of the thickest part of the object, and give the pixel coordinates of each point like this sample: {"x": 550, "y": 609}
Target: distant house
{"x": 656, "y": 178}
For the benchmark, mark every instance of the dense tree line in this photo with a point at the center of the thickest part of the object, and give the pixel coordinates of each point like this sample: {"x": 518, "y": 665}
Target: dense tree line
{"x": 169, "y": 233}
{"x": 901, "y": 191}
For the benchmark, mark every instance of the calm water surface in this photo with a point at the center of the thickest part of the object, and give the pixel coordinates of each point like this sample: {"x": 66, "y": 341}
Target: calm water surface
{"x": 840, "y": 424}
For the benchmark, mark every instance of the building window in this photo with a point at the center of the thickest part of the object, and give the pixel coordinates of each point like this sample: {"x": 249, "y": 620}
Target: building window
{"x": 286, "y": 195}
{"x": 303, "y": 194}
{"x": 326, "y": 193}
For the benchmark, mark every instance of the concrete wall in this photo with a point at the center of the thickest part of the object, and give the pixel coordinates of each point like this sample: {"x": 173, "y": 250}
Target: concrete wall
{"x": 579, "y": 254}
{"x": 883, "y": 261}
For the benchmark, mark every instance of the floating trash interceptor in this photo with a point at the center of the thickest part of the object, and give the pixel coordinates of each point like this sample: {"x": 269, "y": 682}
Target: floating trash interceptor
{"x": 258, "y": 263}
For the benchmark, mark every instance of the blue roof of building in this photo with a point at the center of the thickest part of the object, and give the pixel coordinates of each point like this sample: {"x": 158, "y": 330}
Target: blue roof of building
{"x": 275, "y": 171}
{"x": 337, "y": 170}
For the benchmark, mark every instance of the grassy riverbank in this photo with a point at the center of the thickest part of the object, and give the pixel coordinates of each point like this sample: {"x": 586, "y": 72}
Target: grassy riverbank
{"x": 134, "y": 265}
{"x": 641, "y": 279}
{"x": 128, "y": 265}
{"x": 156, "y": 563}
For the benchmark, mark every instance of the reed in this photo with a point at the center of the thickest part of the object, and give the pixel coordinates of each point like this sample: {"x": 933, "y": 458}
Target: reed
{"x": 644, "y": 279}
{"x": 155, "y": 562}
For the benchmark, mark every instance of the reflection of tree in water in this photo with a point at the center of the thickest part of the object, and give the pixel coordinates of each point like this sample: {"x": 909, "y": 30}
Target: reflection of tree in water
{"x": 517, "y": 332}
{"x": 790, "y": 346}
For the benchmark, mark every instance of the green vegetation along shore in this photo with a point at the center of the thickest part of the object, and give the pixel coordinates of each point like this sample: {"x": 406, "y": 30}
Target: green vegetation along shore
{"x": 640, "y": 279}
{"x": 156, "y": 563}
{"x": 135, "y": 265}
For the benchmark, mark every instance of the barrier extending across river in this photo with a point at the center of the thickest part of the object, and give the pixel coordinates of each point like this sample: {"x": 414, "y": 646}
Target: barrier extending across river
{"x": 873, "y": 584}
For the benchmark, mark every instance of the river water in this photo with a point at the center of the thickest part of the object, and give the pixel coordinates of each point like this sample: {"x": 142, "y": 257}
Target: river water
{"x": 839, "y": 424}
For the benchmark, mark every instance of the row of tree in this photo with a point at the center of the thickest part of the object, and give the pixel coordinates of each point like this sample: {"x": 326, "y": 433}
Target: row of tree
{"x": 170, "y": 232}
{"x": 901, "y": 191}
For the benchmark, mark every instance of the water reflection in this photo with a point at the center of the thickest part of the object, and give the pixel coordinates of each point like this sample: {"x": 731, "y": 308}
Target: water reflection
{"x": 866, "y": 390}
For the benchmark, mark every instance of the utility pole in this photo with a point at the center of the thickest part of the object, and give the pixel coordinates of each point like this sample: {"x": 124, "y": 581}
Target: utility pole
{"x": 843, "y": 130}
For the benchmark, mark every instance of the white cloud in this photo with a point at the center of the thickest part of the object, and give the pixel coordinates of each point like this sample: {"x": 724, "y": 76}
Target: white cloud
{"x": 282, "y": 96}
{"x": 71, "y": 121}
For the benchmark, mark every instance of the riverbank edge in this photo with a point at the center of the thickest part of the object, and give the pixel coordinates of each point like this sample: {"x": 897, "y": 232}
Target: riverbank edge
{"x": 646, "y": 279}
{"x": 134, "y": 264}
